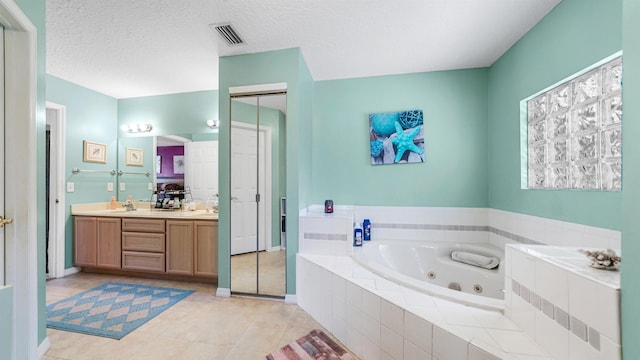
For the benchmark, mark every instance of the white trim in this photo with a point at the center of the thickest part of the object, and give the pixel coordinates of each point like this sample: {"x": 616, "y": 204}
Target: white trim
{"x": 223, "y": 292}
{"x": 71, "y": 271}
{"x": 2, "y": 160}
{"x": 57, "y": 211}
{"x": 291, "y": 299}
{"x": 273, "y": 248}
{"x": 261, "y": 88}
{"x": 21, "y": 154}
{"x": 45, "y": 345}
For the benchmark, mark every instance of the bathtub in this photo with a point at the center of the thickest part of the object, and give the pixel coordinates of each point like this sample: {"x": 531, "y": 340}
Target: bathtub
{"x": 427, "y": 267}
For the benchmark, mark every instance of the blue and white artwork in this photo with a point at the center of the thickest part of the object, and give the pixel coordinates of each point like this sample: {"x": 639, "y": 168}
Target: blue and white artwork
{"x": 396, "y": 137}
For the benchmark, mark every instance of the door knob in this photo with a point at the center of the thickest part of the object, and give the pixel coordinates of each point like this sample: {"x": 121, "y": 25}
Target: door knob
{"x": 4, "y": 221}
{"x": 234, "y": 198}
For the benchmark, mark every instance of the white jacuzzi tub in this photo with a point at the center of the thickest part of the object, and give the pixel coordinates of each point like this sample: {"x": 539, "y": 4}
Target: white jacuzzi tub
{"x": 427, "y": 267}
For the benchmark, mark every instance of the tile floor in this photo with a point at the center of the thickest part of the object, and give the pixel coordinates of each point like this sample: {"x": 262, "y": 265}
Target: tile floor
{"x": 202, "y": 326}
{"x": 272, "y": 273}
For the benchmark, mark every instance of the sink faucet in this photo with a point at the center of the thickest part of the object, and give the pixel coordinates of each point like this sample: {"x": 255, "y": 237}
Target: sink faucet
{"x": 129, "y": 205}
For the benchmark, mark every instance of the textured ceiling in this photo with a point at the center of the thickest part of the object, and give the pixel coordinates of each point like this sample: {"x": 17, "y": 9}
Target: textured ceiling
{"x": 150, "y": 47}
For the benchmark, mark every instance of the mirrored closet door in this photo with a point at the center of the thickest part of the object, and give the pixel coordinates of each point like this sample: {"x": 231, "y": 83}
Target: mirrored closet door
{"x": 257, "y": 178}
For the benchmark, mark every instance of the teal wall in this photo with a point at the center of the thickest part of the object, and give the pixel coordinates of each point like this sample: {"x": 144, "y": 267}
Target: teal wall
{"x": 303, "y": 186}
{"x": 575, "y": 35}
{"x": 631, "y": 181}
{"x": 173, "y": 114}
{"x": 6, "y": 314}
{"x": 264, "y": 68}
{"x": 454, "y": 105}
{"x": 90, "y": 116}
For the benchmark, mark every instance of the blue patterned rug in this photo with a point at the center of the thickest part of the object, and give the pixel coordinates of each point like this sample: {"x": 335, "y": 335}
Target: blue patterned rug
{"x": 112, "y": 309}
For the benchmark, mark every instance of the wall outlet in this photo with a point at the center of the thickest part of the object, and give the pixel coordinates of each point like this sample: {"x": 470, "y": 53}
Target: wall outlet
{"x": 123, "y": 187}
{"x": 149, "y": 186}
{"x": 71, "y": 187}
{"x": 109, "y": 186}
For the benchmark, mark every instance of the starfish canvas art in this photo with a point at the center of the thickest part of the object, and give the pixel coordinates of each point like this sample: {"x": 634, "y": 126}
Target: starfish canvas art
{"x": 396, "y": 137}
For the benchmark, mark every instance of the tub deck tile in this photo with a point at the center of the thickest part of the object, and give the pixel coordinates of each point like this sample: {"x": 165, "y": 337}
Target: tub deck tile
{"x": 487, "y": 334}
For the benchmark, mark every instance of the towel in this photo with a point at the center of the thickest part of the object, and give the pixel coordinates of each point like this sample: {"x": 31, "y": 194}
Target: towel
{"x": 486, "y": 262}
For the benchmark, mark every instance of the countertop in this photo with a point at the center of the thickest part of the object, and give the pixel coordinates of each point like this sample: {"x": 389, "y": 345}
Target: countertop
{"x": 142, "y": 211}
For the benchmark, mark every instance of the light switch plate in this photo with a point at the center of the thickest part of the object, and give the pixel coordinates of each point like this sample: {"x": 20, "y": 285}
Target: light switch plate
{"x": 109, "y": 186}
{"x": 71, "y": 187}
{"x": 123, "y": 187}
{"x": 149, "y": 186}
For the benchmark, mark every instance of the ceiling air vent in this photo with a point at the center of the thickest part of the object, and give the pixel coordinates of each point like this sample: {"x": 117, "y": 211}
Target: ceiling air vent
{"x": 228, "y": 33}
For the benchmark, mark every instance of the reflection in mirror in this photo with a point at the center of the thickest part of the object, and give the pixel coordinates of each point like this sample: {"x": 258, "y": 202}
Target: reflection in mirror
{"x": 135, "y": 161}
{"x": 172, "y": 161}
{"x": 258, "y": 182}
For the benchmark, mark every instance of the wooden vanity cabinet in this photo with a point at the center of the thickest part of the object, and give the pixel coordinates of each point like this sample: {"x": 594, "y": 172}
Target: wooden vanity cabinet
{"x": 97, "y": 242}
{"x": 180, "y": 247}
{"x": 143, "y": 245}
{"x": 192, "y": 248}
{"x": 205, "y": 249}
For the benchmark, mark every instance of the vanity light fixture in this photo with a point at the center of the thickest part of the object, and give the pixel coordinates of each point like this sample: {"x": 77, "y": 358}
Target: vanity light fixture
{"x": 213, "y": 124}
{"x": 136, "y": 128}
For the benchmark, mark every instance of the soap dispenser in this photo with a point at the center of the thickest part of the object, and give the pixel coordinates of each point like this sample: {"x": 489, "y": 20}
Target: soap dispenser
{"x": 113, "y": 204}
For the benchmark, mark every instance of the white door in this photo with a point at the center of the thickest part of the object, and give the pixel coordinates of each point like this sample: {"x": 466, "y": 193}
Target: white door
{"x": 201, "y": 169}
{"x": 18, "y": 144}
{"x": 247, "y": 180}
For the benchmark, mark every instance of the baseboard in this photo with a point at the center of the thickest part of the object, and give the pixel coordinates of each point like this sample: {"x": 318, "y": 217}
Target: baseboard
{"x": 273, "y": 248}
{"x": 223, "y": 292}
{"x": 44, "y": 347}
{"x": 290, "y": 299}
{"x": 71, "y": 271}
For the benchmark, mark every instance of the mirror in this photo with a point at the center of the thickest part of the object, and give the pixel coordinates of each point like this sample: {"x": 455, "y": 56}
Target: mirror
{"x": 172, "y": 161}
{"x": 258, "y": 185}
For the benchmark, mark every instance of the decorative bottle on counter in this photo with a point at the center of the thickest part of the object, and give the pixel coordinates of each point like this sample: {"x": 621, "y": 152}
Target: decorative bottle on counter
{"x": 113, "y": 204}
{"x": 366, "y": 227}
{"x": 357, "y": 235}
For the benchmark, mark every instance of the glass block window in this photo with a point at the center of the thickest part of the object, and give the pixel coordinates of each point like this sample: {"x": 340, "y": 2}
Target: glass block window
{"x": 574, "y": 132}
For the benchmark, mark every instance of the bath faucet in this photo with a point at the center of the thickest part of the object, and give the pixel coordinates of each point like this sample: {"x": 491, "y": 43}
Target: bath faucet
{"x": 129, "y": 205}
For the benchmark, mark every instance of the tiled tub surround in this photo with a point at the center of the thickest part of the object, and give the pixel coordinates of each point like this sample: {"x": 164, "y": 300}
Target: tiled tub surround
{"x": 449, "y": 330}
{"x": 378, "y": 319}
{"x": 321, "y": 233}
{"x": 570, "y": 309}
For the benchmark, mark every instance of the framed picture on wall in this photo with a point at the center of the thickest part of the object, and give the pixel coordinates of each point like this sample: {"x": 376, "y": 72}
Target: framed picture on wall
{"x": 134, "y": 157}
{"x": 94, "y": 152}
{"x": 396, "y": 137}
{"x": 178, "y": 164}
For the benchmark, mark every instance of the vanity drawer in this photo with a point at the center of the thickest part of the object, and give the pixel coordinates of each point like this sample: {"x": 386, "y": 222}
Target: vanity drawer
{"x": 141, "y": 261}
{"x": 150, "y": 242}
{"x": 143, "y": 225}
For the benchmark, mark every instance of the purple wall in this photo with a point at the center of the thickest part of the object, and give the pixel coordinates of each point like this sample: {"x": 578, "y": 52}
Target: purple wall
{"x": 167, "y": 153}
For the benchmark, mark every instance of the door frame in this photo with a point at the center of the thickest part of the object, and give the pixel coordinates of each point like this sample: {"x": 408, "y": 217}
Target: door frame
{"x": 266, "y": 148}
{"x": 56, "y": 191}
{"x": 21, "y": 146}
